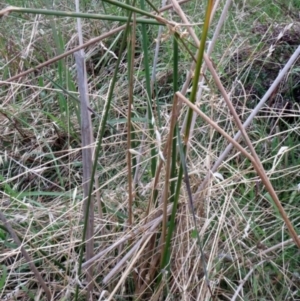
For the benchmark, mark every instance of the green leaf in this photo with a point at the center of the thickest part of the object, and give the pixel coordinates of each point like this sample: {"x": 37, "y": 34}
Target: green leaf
{"x": 3, "y": 276}
{"x": 194, "y": 234}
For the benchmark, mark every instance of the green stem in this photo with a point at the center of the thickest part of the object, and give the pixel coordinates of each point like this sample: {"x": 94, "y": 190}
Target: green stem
{"x": 148, "y": 89}
{"x": 131, "y": 8}
{"x": 167, "y": 251}
{"x": 79, "y": 15}
{"x": 198, "y": 68}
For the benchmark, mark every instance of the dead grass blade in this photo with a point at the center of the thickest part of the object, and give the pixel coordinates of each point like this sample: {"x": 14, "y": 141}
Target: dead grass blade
{"x": 87, "y": 142}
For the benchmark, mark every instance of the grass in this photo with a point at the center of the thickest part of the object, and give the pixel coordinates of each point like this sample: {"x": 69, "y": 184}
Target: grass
{"x": 247, "y": 252}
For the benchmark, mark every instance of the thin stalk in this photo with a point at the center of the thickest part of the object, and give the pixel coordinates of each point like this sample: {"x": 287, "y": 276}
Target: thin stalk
{"x": 58, "y": 13}
{"x": 152, "y": 6}
{"x": 130, "y": 130}
{"x": 148, "y": 89}
{"x": 86, "y": 137}
{"x": 99, "y": 142}
{"x": 173, "y": 194}
{"x": 168, "y": 170}
{"x": 174, "y": 140}
{"x": 209, "y": 52}
{"x": 198, "y": 68}
{"x": 131, "y": 52}
{"x": 130, "y": 57}
{"x": 87, "y": 140}
{"x": 174, "y": 145}
{"x": 166, "y": 252}
{"x": 131, "y": 8}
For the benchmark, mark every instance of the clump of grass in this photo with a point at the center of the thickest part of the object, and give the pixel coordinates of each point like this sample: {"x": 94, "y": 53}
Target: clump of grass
{"x": 148, "y": 231}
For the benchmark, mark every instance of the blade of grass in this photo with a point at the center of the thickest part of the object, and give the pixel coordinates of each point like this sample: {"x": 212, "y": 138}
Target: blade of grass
{"x": 148, "y": 89}
{"x": 209, "y": 52}
{"x": 131, "y": 8}
{"x": 198, "y": 68}
{"x": 58, "y": 13}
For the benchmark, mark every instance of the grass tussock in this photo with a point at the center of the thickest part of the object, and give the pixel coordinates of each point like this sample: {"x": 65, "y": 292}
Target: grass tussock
{"x": 172, "y": 221}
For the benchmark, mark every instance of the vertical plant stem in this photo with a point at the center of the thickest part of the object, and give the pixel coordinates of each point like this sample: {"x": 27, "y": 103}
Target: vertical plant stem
{"x": 148, "y": 89}
{"x": 101, "y": 134}
{"x": 168, "y": 170}
{"x": 174, "y": 140}
{"x": 209, "y": 51}
{"x": 166, "y": 253}
{"x": 173, "y": 128}
{"x": 131, "y": 52}
{"x": 86, "y": 137}
{"x": 198, "y": 68}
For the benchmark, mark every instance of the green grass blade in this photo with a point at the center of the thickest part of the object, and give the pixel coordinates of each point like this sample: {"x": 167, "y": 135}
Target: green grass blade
{"x": 130, "y": 8}
{"x": 148, "y": 89}
{"x": 3, "y": 276}
{"x": 198, "y": 68}
{"x": 84, "y": 15}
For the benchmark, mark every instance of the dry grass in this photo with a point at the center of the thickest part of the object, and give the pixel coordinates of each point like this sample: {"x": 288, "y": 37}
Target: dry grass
{"x": 248, "y": 252}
